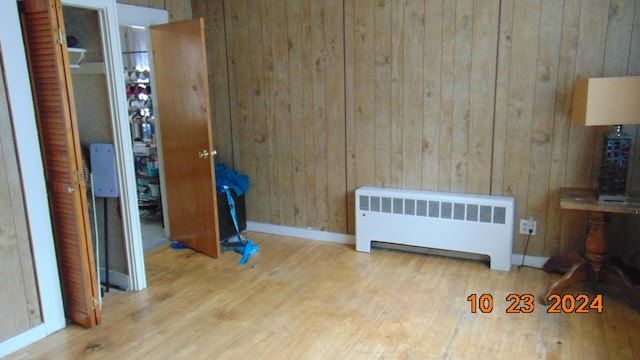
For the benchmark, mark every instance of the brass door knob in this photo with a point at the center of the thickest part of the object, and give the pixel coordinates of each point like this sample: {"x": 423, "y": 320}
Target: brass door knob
{"x": 205, "y": 153}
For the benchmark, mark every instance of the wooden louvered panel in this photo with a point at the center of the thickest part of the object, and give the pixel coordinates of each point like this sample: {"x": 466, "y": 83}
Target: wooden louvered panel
{"x": 57, "y": 147}
{"x": 59, "y": 166}
{"x": 61, "y": 175}
{"x": 43, "y": 67}
{"x": 57, "y": 155}
{"x": 49, "y": 87}
{"x": 64, "y": 202}
{"x": 50, "y": 106}
{"x": 43, "y": 70}
{"x": 55, "y": 111}
{"x": 54, "y": 131}
{"x": 48, "y": 79}
{"x": 40, "y": 27}
{"x": 56, "y": 144}
{"x": 57, "y": 139}
{"x": 56, "y": 134}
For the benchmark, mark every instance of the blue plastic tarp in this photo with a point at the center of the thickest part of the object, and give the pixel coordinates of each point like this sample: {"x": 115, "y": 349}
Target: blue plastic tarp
{"x": 239, "y": 183}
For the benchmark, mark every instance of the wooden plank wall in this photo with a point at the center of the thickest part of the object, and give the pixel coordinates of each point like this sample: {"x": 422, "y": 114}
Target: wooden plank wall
{"x": 177, "y": 9}
{"x": 286, "y": 101}
{"x": 421, "y": 82}
{"x": 543, "y": 47}
{"x": 469, "y": 96}
{"x": 19, "y": 302}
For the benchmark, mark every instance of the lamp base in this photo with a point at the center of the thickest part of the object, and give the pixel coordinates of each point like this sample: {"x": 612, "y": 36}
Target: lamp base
{"x": 613, "y": 169}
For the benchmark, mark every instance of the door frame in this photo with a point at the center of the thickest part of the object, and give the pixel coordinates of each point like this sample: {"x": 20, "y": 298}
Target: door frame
{"x": 121, "y": 133}
{"x": 143, "y": 16}
{"x": 132, "y": 15}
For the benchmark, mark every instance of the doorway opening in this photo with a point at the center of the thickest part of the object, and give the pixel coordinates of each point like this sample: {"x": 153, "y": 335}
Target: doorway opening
{"x": 94, "y": 121}
{"x": 144, "y": 134}
{"x": 102, "y": 117}
{"x": 135, "y": 40}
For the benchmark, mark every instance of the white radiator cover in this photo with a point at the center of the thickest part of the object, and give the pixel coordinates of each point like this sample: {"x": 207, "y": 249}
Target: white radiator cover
{"x": 479, "y": 224}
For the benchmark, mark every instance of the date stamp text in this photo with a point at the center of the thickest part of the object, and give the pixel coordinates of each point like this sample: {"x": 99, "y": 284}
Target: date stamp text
{"x": 525, "y": 303}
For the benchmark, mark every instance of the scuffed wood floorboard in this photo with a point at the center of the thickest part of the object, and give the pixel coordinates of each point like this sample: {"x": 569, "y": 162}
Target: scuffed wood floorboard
{"x": 303, "y": 299}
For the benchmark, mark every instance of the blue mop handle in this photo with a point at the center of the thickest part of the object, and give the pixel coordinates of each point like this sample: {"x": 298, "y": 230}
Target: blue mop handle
{"x": 249, "y": 247}
{"x": 232, "y": 208}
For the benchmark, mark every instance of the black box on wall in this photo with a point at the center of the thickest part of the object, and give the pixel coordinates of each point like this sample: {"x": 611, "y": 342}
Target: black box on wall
{"x": 225, "y": 223}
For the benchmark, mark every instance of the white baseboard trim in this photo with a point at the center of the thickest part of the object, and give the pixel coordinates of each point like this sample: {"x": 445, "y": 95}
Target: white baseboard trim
{"x": 311, "y": 234}
{"x": 529, "y": 260}
{"x": 116, "y": 279}
{"x": 22, "y": 340}
{"x": 314, "y": 234}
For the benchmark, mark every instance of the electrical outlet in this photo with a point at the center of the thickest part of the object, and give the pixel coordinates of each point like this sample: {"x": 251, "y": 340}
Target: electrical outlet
{"x": 527, "y": 225}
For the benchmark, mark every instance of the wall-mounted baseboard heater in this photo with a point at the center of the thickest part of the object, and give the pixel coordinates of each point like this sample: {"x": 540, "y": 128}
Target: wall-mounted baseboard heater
{"x": 478, "y": 224}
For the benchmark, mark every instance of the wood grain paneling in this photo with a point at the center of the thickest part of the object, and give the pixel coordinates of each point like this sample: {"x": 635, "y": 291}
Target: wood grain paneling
{"x": 285, "y": 65}
{"x": 467, "y": 96}
{"x": 542, "y": 126}
{"x": 433, "y": 95}
{"x": 543, "y": 151}
{"x": 218, "y": 75}
{"x": 19, "y": 303}
{"x": 336, "y": 126}
{"x": 412, "y": 92}
{"x": 423, "y": 80}
{"x": 519, "y": 103}
{"x": 177, "y": 9}
{"x": 482, "y": 95}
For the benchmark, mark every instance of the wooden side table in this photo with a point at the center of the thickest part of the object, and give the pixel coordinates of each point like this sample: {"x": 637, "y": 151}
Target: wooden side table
{"x": 595, "y": 264}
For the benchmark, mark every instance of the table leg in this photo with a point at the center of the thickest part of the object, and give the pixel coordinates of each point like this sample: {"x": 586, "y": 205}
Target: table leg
{"x": 614, "y": 275}
{"x": 578, "y": 272}
{"x": 562, "y": 264}
{"x": 593, "y": 266}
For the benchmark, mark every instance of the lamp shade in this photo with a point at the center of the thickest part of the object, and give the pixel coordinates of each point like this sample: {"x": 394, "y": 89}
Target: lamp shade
{"x": 606, "y": 101}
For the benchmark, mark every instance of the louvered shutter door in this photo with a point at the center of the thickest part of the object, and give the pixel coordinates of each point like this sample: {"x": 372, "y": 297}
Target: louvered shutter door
{"x": 43, "y": 27}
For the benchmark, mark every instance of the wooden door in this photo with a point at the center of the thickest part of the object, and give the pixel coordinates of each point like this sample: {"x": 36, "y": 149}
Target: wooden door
{"x": 44, "y": 34}
{"x": 183, "y": 108}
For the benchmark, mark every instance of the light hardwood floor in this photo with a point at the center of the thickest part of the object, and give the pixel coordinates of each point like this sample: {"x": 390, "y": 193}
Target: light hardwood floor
{"x": 303, "y": 299}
